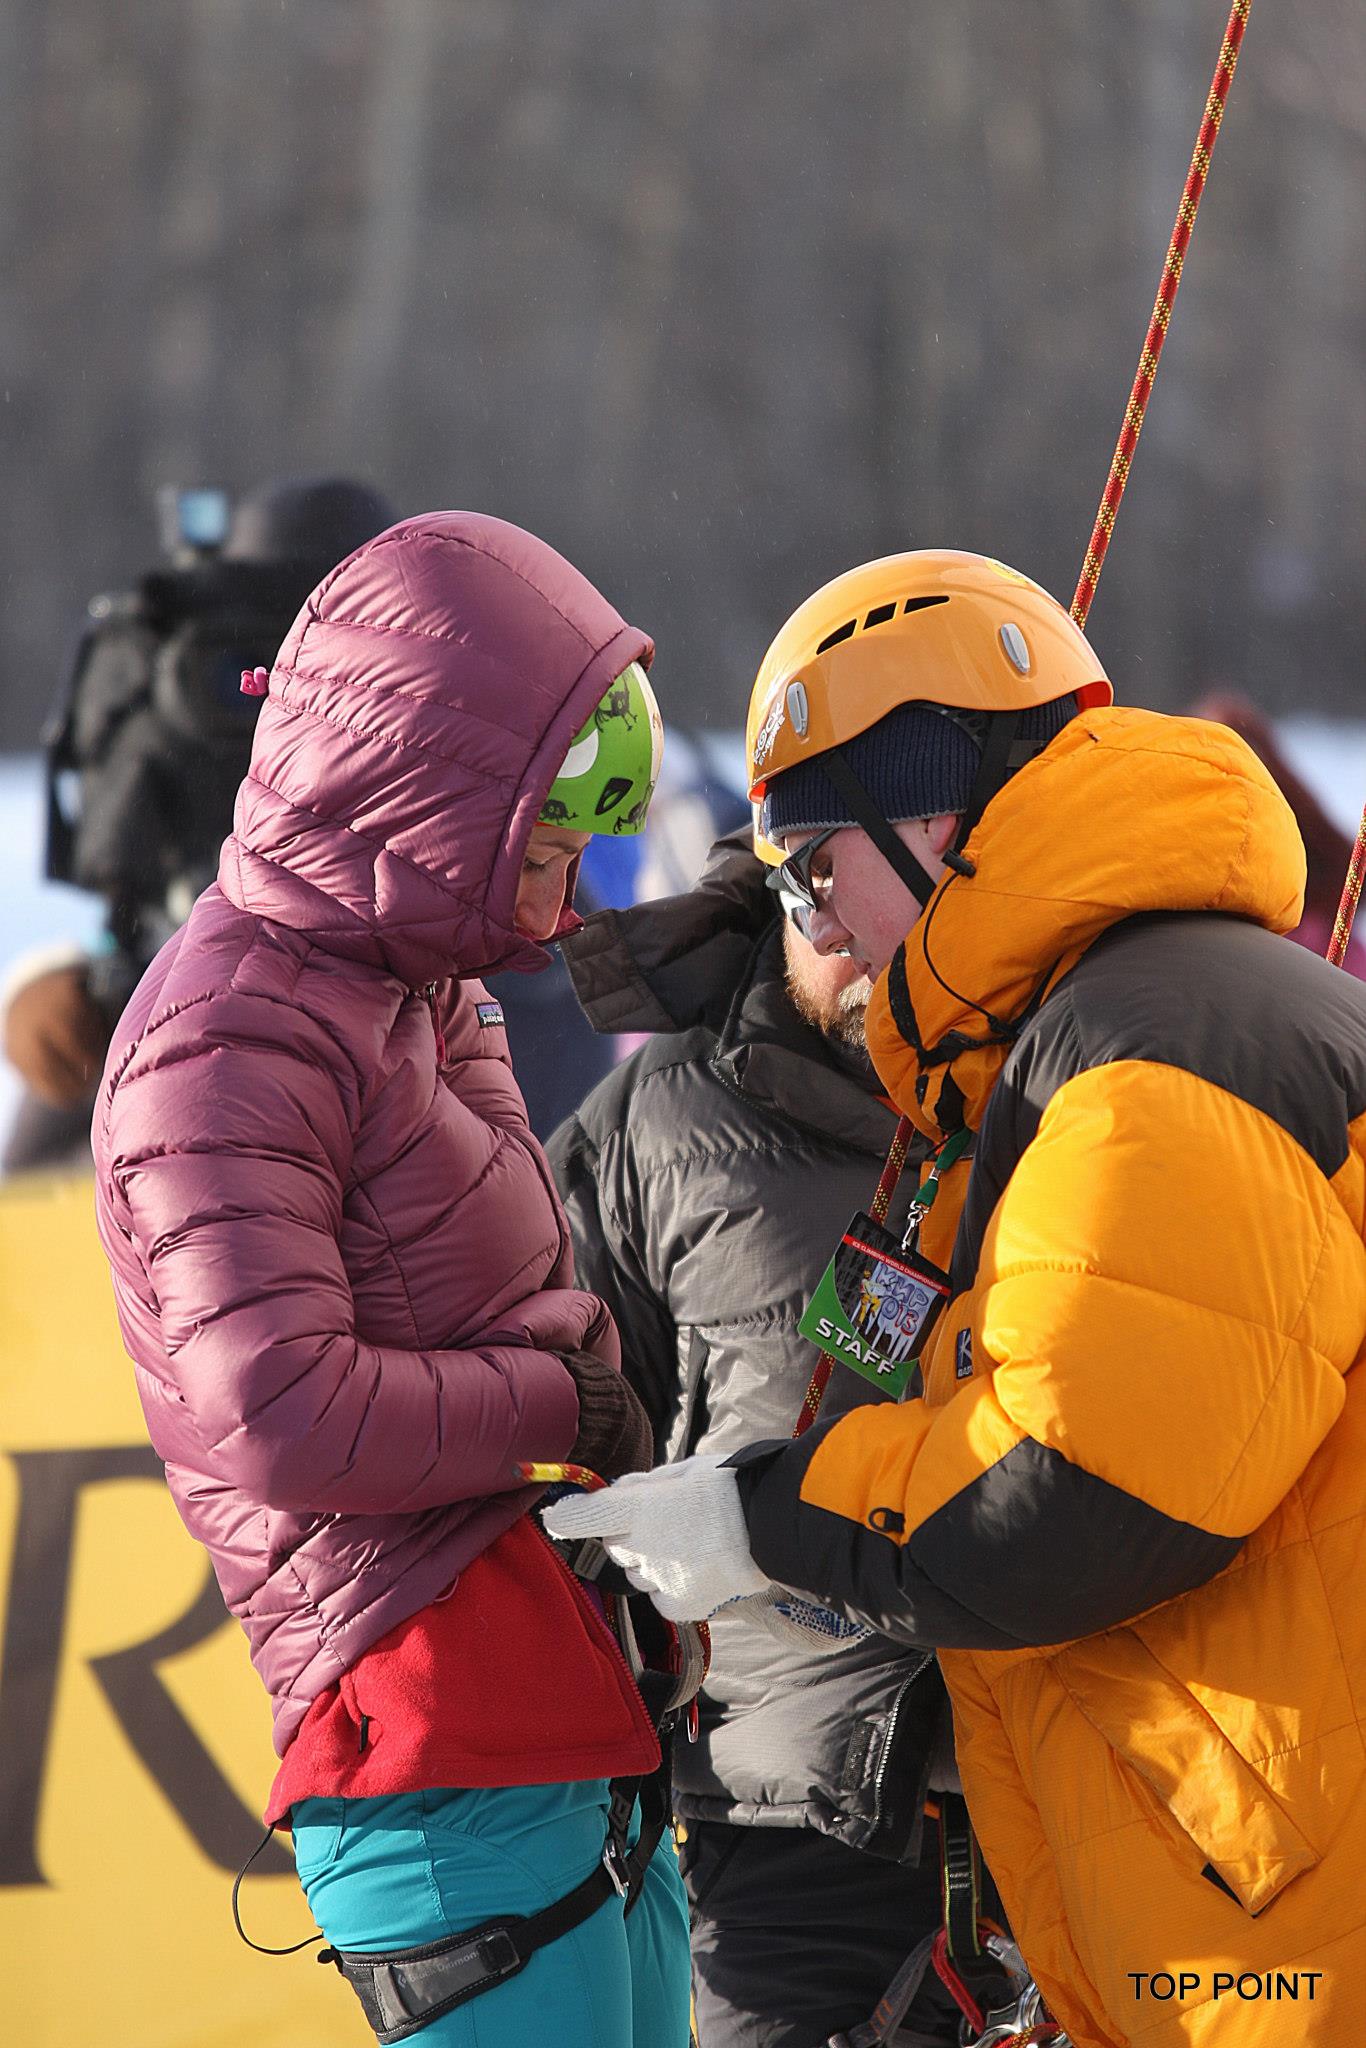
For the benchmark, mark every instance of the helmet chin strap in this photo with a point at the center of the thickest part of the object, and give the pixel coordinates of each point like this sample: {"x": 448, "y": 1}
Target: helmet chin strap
{"x": 866, "y": 813}
{"x": 1001, "y": 756}
{"x": 999, "y": 760}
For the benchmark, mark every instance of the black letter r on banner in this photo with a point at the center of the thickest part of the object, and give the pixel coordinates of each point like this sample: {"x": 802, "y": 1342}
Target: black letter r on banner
{"x": 50, "y": 1484}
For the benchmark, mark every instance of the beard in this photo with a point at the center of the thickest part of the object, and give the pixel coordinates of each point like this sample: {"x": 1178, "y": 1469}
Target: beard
{"x": 836, "y": 1012}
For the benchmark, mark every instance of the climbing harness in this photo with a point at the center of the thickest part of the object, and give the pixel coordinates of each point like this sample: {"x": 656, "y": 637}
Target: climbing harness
{"x": 402, "y": 1990}
{"x": 977, "y": 1963}
{"x": 668, "y": 1660}
{"x": 1021, "y": 2021}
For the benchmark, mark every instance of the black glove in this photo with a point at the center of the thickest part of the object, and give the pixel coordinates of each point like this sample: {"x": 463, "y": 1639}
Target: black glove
{"x": 614, "y": 1436}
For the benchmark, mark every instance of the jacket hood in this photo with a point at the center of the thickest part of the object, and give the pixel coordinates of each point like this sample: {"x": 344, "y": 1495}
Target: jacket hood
{"x": 1125, "y": 812}
{"x": 419, "y": 709}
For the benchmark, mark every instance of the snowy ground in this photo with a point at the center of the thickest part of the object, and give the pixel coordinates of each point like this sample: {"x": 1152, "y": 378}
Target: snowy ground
{"x": 1330, "y": 755}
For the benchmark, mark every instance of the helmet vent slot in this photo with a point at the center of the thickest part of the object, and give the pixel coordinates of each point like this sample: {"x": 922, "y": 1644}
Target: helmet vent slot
{"x": 878, "y": 616}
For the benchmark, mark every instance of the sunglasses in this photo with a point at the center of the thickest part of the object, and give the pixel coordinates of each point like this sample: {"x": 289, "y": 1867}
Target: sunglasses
{"x": 801, "y": 893}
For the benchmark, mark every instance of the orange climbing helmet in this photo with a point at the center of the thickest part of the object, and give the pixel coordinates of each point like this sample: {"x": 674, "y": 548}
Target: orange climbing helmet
{"x": 931, "y": 626}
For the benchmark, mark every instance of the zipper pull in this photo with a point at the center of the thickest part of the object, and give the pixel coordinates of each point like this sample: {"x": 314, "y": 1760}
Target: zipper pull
{"x": 430, "y": 993}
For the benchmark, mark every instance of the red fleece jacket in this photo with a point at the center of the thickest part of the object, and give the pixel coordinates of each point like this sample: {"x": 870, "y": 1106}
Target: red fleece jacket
{"x": 513, "y": 1678}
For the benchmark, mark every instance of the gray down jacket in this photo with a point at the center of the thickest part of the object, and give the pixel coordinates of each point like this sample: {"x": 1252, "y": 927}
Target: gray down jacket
{"x": 707, "y": 1180}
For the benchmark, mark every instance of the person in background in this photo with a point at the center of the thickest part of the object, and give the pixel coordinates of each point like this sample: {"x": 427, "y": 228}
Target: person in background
{"x": 151, "y": 739}
{"x": 1327, "y": 847}
{"x": 346, "y": 1282}
{"x": 699, "y": 1180}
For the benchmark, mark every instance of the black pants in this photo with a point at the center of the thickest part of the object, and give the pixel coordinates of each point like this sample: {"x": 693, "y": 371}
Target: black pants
{"x": 796, "y": 1937}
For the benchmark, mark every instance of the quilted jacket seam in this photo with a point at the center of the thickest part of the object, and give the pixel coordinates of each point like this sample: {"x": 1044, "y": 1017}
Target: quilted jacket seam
{"x": 1344, "y": 1664}
{"x": 1019, "y": 1269}
{"x": 190, "y": 1053}
{"x": 391, "y": 740}
{"x": 424, "y": 875}
{"x": 486, "y": 553}
{"x": 392, "y": 929}
{"x": 362, "y": 1193}
{"x": 1289, "y": 1339}
{"x": 1252, "y": 1759}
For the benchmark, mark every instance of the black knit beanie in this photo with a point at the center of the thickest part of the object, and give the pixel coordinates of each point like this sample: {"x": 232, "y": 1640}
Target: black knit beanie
{"x": 914, "y": 763}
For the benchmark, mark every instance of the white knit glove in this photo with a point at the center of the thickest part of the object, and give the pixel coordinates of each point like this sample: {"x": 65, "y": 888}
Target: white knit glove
{"x": 678, "y": 1533}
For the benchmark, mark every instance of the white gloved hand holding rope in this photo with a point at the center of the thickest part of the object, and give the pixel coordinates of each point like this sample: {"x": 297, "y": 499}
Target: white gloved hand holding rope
{"x": 678, "y": 1533}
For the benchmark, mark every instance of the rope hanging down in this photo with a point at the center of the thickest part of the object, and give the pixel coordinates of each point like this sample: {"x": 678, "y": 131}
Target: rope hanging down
{"x": 1100, "y": 542}
{"x": 877, "y": 1209}
{"x": 1162, "y": 311}
{"x": 1351, "y": 894}
{"x": 1142, "y": 390}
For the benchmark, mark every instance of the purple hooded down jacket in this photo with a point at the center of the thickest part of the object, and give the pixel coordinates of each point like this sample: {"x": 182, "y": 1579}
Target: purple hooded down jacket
{"x": 343, "y": 1275}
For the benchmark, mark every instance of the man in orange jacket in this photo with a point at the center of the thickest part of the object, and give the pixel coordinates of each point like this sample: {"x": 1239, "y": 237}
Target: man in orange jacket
{"x": 1124, "y": 1497}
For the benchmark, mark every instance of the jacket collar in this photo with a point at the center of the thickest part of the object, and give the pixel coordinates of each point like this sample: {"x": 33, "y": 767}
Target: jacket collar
{"x": 1124, "y": 812}
{"x": 713, "y": 958}
{"x": 676, "y": 962}
{"x": 776, "y": 1058}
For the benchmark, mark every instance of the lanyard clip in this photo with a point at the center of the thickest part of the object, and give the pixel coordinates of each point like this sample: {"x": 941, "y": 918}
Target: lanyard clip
{"x": 923, "y": 1199}
{"x": 921, "y": 1204}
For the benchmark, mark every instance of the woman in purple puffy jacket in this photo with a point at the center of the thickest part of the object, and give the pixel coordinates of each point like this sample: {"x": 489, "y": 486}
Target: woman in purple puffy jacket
{"x": 345, "y": 1281}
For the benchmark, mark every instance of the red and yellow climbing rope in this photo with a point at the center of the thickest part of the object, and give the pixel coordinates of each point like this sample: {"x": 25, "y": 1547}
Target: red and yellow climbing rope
{"x": 1105, "y": 526}
{"x": 1351, "y": 896}
{"x": 1142, "y": 391}
{"x": 1162, "y": 311}
{"x": 877, "y": 1209}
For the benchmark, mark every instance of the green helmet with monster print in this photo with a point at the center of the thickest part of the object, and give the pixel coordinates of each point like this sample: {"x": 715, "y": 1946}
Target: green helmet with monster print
{"x": 610, "y": 771}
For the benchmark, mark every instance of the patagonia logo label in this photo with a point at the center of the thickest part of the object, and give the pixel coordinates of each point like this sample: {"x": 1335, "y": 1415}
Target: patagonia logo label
{"x": 489, "y": 1014}
{"x": 962, "y": 1355}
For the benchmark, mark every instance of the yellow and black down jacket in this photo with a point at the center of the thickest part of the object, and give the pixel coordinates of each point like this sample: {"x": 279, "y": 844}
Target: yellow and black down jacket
{"x": 1130, "y": 1508}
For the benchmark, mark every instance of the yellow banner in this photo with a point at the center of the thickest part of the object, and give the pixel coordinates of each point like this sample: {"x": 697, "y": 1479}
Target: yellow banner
{"x": 135, "y": 1751}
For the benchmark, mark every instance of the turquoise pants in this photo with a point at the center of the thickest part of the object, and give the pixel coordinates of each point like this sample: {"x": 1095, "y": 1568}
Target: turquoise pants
{"x": 392, "y": 1873}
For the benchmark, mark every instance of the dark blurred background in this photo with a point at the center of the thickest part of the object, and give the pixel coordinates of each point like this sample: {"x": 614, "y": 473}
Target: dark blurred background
{"x": 719, "y": 298}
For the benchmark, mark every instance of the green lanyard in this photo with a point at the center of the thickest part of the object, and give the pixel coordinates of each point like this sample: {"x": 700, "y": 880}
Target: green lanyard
{"x": 923, "y": 1200}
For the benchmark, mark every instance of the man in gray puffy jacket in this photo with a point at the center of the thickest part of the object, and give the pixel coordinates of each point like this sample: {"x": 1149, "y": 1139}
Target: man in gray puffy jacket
{"x": 707, "y": 1180}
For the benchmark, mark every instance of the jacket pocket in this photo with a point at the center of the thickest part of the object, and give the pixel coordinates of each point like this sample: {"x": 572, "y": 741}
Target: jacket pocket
{"x": 704, "y": 1858}
{"x": 317, "y": 1826}
{"x": 1180, "y": 1753}
{"x": 896, "y": 1766}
